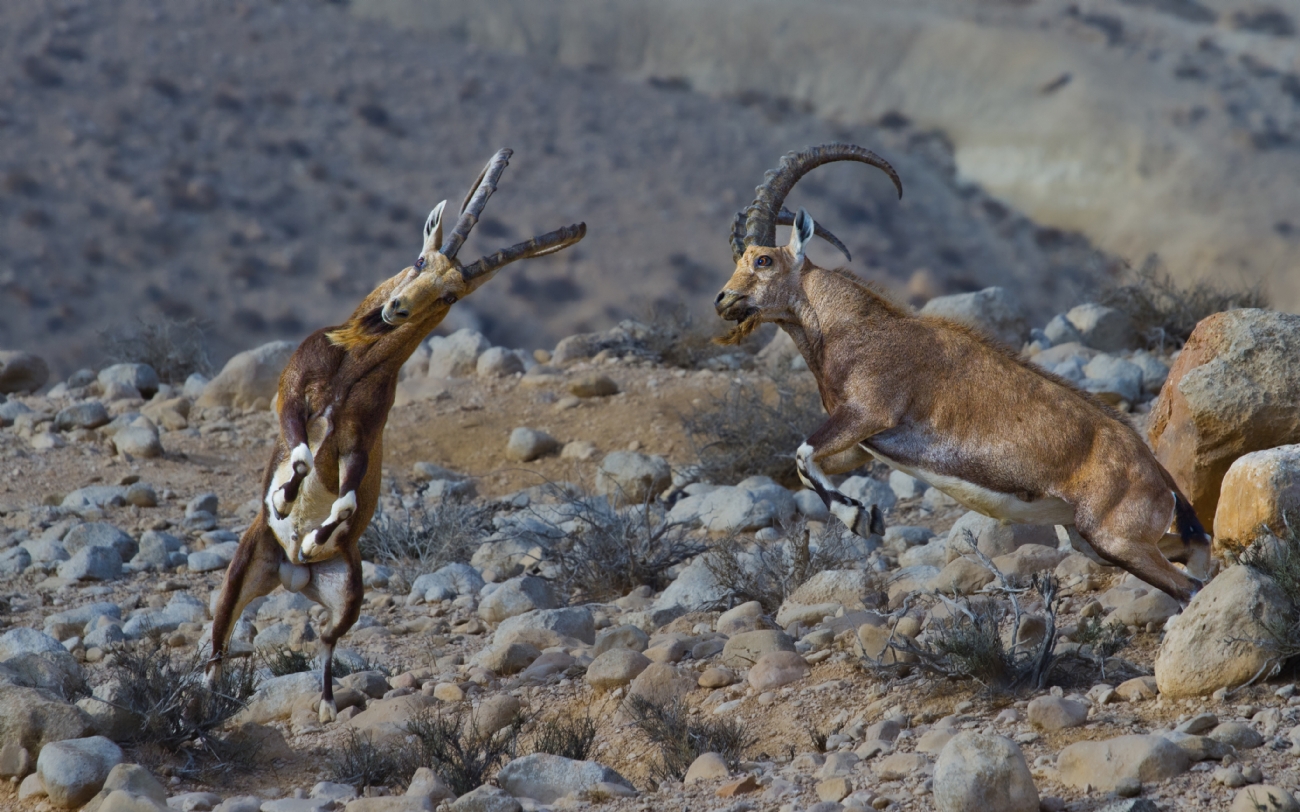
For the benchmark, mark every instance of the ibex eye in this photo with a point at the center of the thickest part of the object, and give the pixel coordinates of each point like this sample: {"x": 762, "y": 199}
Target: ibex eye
{"x": 419, "y": 263}
{"x": 762, "y": 262}
{"x": 450, "y": 298}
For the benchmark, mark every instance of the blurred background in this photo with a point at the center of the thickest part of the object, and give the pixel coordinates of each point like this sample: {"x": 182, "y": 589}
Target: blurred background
{"x": 258, "y": 167}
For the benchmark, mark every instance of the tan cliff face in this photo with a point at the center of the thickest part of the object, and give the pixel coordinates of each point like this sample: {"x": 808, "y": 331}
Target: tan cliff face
{"x": 1150, "y": 132}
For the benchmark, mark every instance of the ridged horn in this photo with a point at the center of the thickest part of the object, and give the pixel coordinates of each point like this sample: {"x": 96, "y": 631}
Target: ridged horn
{"x": 785, "y": 217}
{"x": 474, "y": 203}
{"x": 761, "y": 215}
{"x": 548, "y": 243}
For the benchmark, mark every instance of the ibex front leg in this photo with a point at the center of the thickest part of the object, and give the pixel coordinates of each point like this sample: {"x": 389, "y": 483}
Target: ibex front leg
{"x": 841, "y": 432}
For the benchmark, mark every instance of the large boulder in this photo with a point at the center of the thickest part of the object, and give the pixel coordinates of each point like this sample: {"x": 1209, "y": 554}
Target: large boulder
{"x": 1259, "y": 492}
{"x": 516, "y": 596}
{"x": 993, "y": 538}
{"x": 574, "y": 621}
{"x": 1234, "y": 389}
{"x": 546, "y": 778}
{"x": 976, "y": 771}
{"x": 993, "y": 311}
{"x": 32, "y": 718}
{"x": 456, "y": 355}
{"x": 139, "y": 377}
{"x": 1106, "y": 764}
{"x": 22, "y": 372}
{"x": 1221, "y": 638}
{"x": 1102, "y": 328}
{"x": 250, "y": 379}
{"x": 74, "y": 770}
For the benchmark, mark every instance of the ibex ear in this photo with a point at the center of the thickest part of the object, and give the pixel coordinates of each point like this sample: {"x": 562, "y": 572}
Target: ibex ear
{"x": 801, "y": 235}
{"x": 433, "y": 229}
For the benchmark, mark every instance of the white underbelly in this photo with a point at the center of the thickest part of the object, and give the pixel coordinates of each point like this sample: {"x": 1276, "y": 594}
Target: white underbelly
{"x": 995, "y": 504}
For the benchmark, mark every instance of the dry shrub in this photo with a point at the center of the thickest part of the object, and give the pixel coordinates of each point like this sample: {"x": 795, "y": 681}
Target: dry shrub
{"x": 175, "y": 348}
{"x": 1165, "y": 311}
{"x": 566, "y": 735}
{"x": 361, "y": 763}
{"x": 676, "y": 339}
{"x": 602, "y": 552}
{"x": 682, "y": 738}
{"x": 769, "y": 572}
{"x": 1279, "y": 560}
{"x": 178, "y": 715}
{"x": 453, "y": 747}
{"x": 753, "y": 430}
{"x": 423, "y": 539}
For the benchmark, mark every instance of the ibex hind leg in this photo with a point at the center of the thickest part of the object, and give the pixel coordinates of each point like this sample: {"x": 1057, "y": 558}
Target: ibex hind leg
{"x": 862, "y": 519}
{"x": 336, "y": 585}
{"x": 253, "y": 572}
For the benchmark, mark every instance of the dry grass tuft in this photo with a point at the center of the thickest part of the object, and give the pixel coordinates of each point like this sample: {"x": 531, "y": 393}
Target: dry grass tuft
{"x": 682, "y": 738}
{"x": 1165, "y": 311}
{"x": 769, "y": 572}
{"x": 424, "y": 539}
{"x": 754, "y": 430}
{"x": 175, "y": 348}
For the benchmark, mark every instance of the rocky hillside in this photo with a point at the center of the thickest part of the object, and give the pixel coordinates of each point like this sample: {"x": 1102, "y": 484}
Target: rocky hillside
{"x": 183, "y": 160}
{"x": 610, "y": 607}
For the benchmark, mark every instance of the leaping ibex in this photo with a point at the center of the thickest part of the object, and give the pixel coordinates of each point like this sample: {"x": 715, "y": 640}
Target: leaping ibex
{"x": 322, "y": 484}
{"x": 943, "y": 403}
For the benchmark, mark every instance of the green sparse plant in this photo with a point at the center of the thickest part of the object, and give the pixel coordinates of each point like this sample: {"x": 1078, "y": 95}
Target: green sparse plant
{"x": 175, "y": 348}
{"x": 1165, "y": 311}
{"x": 425, "y": 538}
{"x": 682, "y": 739}
{"x": 1105, "y": 639}
{"x": 453, "y": 747}
{"x": 770, "y": 572}
{"x": 178, "y": 714}
{"x": 753, "y": 430}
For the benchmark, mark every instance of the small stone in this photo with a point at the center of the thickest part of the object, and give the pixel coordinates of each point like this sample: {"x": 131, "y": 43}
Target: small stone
{"x": 1238, "y": 734}
{"x": 1264, "y": 798}
{"x": 834, "y": 789}
{"x": 448, "y": 692}
{"x": 527, "y": 444}
{"x": 498, "y": 362}
{"x": 616, "y": 668}
{"x": 975, "y": 771}
{"x": 777, "y": 668}
{"x": 1137, "y": 689}
{"x": 593, "y": 385}
{"x": 1052, "y": 713}
{"x": 707, "y": 767}
{"x": 73, "y": 771}
{"x": 739, "y": 786}
{"x": 22, "y": 372}
{"x": 717, "y": 678}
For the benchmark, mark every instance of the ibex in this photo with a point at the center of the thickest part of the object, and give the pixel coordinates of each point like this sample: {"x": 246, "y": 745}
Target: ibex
{"x": 322, "y": 484}
{"x": 947, "y": 405}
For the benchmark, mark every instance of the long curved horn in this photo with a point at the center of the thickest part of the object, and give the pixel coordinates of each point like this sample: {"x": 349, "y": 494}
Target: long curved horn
{"x": 475, "y": 201}
{"x": 785, "y": 217}
{"x": 761, "y": 215}
{"x": 548, "y": 243}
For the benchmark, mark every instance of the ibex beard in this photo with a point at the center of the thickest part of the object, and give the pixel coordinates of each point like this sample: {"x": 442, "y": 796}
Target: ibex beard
{"x": 948, "y": 405}
{"x": 322, "y": 484}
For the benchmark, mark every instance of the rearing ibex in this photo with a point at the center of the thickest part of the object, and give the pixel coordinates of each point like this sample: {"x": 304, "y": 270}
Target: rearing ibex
{"x": 943, "y": 403}
{"x": 322, "y": 484}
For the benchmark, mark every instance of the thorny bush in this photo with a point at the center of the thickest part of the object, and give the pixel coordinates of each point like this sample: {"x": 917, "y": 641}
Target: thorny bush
{"x": 568, "y": 735}
{"x": 602, "y": 552}
{"x": 452, "y": 745}
{"x": 1165, "y": 312}
{"x": 753, "y": 430}
{"x": 176, "y": 714}
{"x": 175, "y": 348}
{"x": 769, "y": 572}
{"x": 970, "y": 642}
{"x": 425, "y": 538}
{"x": 1279, "y": 560}
{"x": 682, "y": 738}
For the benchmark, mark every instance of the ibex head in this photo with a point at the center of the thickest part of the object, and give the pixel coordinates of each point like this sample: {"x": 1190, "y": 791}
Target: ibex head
{"x": 765, "y": 285}
{"x": 437, "y": 280}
